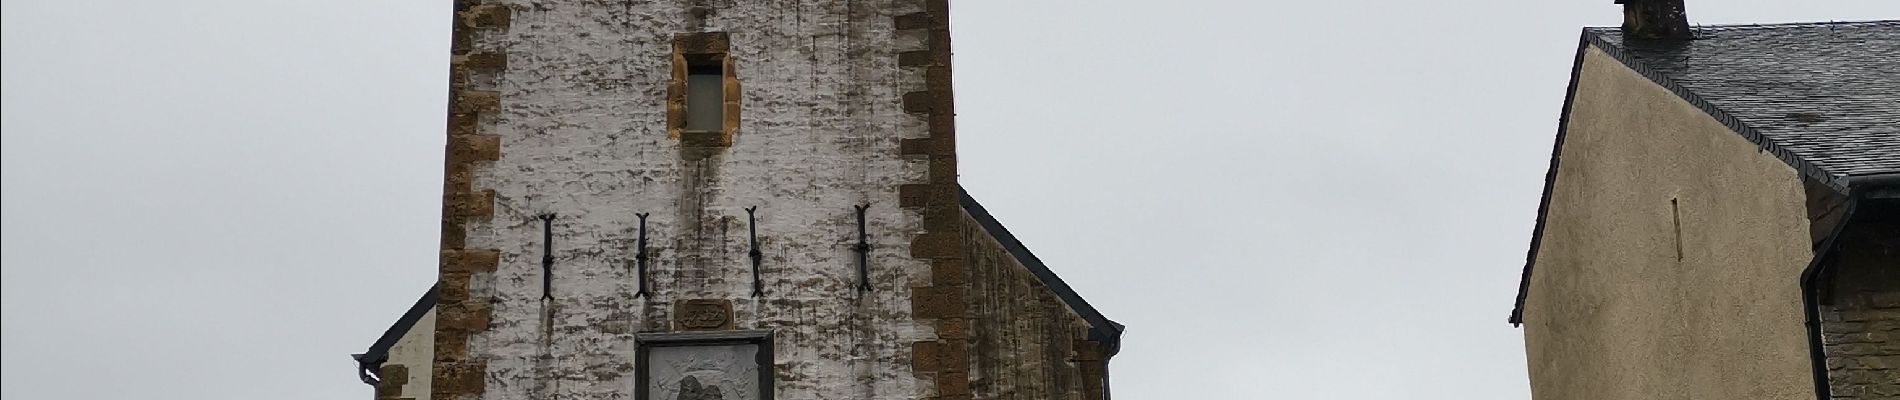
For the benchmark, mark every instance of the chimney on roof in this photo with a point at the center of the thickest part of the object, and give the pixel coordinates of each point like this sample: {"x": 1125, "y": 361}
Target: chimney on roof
{"x": 1655, "y": 20}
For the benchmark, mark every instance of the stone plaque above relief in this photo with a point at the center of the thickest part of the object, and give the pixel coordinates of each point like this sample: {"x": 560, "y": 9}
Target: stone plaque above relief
{"x": 702, "y": 315}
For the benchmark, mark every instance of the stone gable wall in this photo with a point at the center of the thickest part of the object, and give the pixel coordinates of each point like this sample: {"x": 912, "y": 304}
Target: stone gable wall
{"x": 560, "y": 108}
{"x": 1026, "y": 344}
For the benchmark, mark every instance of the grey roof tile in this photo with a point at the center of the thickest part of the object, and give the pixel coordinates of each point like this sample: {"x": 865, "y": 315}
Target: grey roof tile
{"x": 1823, "y": 97}
{"x": 1826, "y": 93}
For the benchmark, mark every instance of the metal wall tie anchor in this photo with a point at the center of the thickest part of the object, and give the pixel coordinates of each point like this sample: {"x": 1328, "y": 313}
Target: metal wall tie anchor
{"x": 864, "y": 249}
{"x": 640, "y": 257}
{"x": 547, "y": 256}
{"x": 752, "y": 222}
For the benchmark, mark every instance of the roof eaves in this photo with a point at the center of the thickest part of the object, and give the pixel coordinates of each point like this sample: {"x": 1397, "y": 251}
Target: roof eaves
{"x": 1883, "y": 185}
{"x": 1550, "y": 180}
{"x": 379, "y": 351}
{"x": 1100, "y": 327}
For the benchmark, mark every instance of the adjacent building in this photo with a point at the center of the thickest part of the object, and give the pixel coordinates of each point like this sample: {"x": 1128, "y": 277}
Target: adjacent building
{"x": 1721, "y": 217}
{"x": 715, "y": 199}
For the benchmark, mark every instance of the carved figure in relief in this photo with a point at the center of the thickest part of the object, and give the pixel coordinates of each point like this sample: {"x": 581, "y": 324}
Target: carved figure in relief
{"x": 691, "y": 389}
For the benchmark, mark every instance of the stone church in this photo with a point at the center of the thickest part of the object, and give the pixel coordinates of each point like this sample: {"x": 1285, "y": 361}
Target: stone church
{"x": 719, "y": 199}
{"x": 1721, "y": 216}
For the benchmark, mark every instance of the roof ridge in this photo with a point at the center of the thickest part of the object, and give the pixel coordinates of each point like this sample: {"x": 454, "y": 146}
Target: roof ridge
{"x": 1806, "y": 24}
{"x": 1777, "y": 25}
{"x": 1767, "y": 143}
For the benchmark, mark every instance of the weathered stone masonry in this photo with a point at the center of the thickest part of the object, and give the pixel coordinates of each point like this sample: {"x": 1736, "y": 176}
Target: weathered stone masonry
{"x": 944, "y": 360}
{"x": 460, "y": 314}
{"x": 578, "y": 112}
{"x": 1861, "y": 325}
{"x": 561, "y": 108}
{"x": 1025, "y": 342}
{"x": 393, "y": 377}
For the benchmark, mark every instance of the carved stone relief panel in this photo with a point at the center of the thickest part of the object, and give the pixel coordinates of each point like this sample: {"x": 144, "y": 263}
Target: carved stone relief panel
{"x": 730, "y": 365}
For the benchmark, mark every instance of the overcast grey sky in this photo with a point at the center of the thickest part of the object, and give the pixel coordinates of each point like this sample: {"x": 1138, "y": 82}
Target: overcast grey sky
{"x": 222, "y": 199}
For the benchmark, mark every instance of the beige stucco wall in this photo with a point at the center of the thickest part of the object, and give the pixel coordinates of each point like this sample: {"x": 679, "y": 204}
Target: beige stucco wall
{"x": 411, "y": 356}
{"x": 1612, "y": 313}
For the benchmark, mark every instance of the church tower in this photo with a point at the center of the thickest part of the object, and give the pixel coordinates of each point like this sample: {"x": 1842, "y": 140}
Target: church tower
{"x": 723, "y": 199}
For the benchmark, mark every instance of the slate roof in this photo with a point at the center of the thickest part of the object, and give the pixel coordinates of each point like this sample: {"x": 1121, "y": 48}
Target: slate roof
{"x": 1822, "y": 97}
{"x": 1828, "y": 94}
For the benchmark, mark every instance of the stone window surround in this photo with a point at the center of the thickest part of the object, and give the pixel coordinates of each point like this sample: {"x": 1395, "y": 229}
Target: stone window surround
{"x": 699, "y": 47}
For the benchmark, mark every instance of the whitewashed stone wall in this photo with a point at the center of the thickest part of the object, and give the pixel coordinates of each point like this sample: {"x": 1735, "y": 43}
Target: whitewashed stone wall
{"x": 582, "y": 129}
